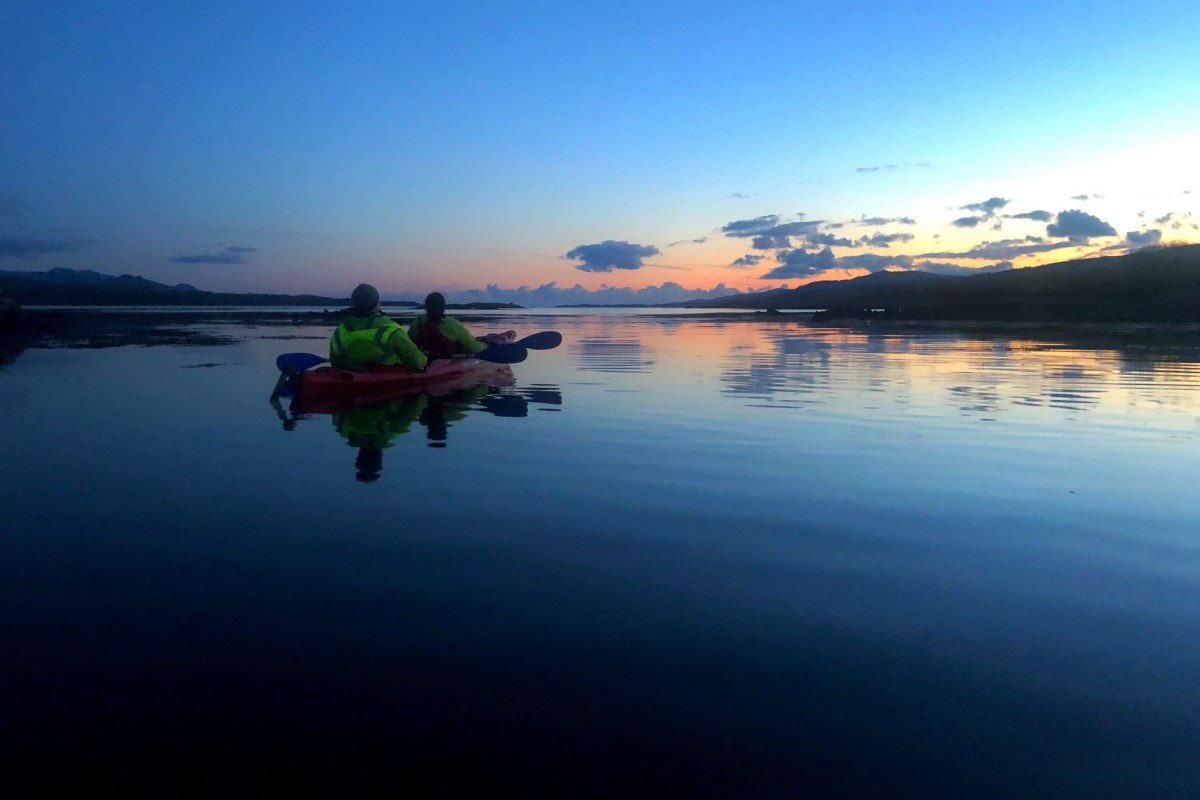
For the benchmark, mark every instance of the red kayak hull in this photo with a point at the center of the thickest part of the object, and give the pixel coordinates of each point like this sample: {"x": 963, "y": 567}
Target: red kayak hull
{"x": 332, "y": 383}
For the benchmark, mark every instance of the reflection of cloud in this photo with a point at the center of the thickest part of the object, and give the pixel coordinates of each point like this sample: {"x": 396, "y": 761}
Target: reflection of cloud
{"x": 233, "y": 254}
{"x": 1079, "y": 225}
{"x": 609, "y": 255}
{"x": 32, "y": 247}
{"x": 612, "y": 355}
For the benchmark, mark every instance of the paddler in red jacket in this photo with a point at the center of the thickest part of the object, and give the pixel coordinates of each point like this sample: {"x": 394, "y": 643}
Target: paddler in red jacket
{"x": 441, "y": 336}
{"x": 368, "y": 337}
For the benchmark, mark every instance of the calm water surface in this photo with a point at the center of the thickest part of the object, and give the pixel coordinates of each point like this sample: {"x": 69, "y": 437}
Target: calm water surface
{"x": 673, "y": 557}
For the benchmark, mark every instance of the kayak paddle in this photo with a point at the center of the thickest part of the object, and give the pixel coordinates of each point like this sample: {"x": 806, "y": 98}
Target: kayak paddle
{"x": 298, "y": 362}
{"x": 546, "y": 340}
{"x": 513, "y": 353}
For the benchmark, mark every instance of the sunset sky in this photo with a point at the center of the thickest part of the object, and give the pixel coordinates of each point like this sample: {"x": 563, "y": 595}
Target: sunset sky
{"x": 712, "y": 147}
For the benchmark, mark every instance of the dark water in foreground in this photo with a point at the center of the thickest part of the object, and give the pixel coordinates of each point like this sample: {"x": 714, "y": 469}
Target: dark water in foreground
{"x": 670, "y": 558}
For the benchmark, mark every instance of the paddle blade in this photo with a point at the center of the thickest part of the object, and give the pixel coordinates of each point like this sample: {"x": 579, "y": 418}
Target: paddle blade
{"x": 503, "y": 354}
{"x": 298, "y": 362}
{"x": 546, "y": 340}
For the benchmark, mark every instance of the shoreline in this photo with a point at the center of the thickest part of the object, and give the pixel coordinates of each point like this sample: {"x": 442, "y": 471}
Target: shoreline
{"x": 103, "y": 327}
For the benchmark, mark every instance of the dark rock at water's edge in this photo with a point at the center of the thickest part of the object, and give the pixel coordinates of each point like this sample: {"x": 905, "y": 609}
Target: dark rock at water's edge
{"x": 17, "y": 329}
{"x": 1154, "y": 285}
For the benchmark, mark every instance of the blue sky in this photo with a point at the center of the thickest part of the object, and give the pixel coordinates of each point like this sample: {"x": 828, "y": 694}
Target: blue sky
{"x": 671, "y": 148}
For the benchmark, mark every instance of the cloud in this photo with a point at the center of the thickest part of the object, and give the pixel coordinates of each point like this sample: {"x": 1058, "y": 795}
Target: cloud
{"x": 1165, "y": 219}
{"x": 827, "y": 239}
{"x": 873, "y": 262}
{"x": 233, "y": 254}
{"x": 802, "y": 264}
{"x": 747, "y": 260}
{"x": 885, "y": 239}
{"x": 701, "y": 240}
{"x": 1143, "y": 238}
{"x": 550, "y": 294}
{"x": 877, "y": 221}
{"x": 1083, "y": 197}
{"x": 609, "y": 255}
{"x": 32, "y": 247}
{"x": 1079, "y": 226}
{"x": 750, "y": 227}
{"x": 945, "y": 268}
{"x": 987, "y": 208}
{"x": 967, "y": 222}
{"x": 767, "y": 232}
{"x": 1004, "y": 249}
{"x": 740, "y": 196}
{"x": 210, "y": 258}
{"x": 887, "y": 167}
{"x": 1036, "y": 216}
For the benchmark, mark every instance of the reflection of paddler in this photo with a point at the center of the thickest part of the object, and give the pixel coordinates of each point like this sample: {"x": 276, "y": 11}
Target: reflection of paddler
{"x": 443, "y": 409}
{"x": 372, "y": 429}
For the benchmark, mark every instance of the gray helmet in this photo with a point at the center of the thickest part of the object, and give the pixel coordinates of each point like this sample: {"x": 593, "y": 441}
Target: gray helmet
{"x": 364, "y": 298}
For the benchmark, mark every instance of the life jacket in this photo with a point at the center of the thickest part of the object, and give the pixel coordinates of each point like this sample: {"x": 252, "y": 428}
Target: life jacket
{"x": 431, "y": 339}
{"x": 360, "y": 341}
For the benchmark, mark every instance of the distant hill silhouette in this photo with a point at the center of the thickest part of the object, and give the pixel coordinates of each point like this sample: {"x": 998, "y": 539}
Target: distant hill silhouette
{"x": 1160, "y": 284}
{"x": 86, "y": 287}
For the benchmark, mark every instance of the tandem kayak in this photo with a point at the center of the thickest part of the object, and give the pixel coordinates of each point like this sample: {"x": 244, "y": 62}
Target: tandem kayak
{"x": 309, "y": 384}
{"x": 325, "y": 384}
{"x": 337, "y": 384}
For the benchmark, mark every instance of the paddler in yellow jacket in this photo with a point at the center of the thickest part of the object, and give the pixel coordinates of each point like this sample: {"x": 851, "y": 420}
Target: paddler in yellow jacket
{"x": 368, "y": 337}
{"x": 441, "y": 336}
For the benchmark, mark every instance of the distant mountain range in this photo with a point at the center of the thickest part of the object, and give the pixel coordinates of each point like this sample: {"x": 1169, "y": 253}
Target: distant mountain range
{"x": 86, "y": 287}
{"x": 1160, "y": 284}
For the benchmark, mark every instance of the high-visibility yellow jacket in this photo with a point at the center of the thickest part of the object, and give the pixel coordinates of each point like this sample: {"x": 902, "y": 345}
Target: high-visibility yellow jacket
{"x": 447, "y": 337}
{"x": 360, "y": 341}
